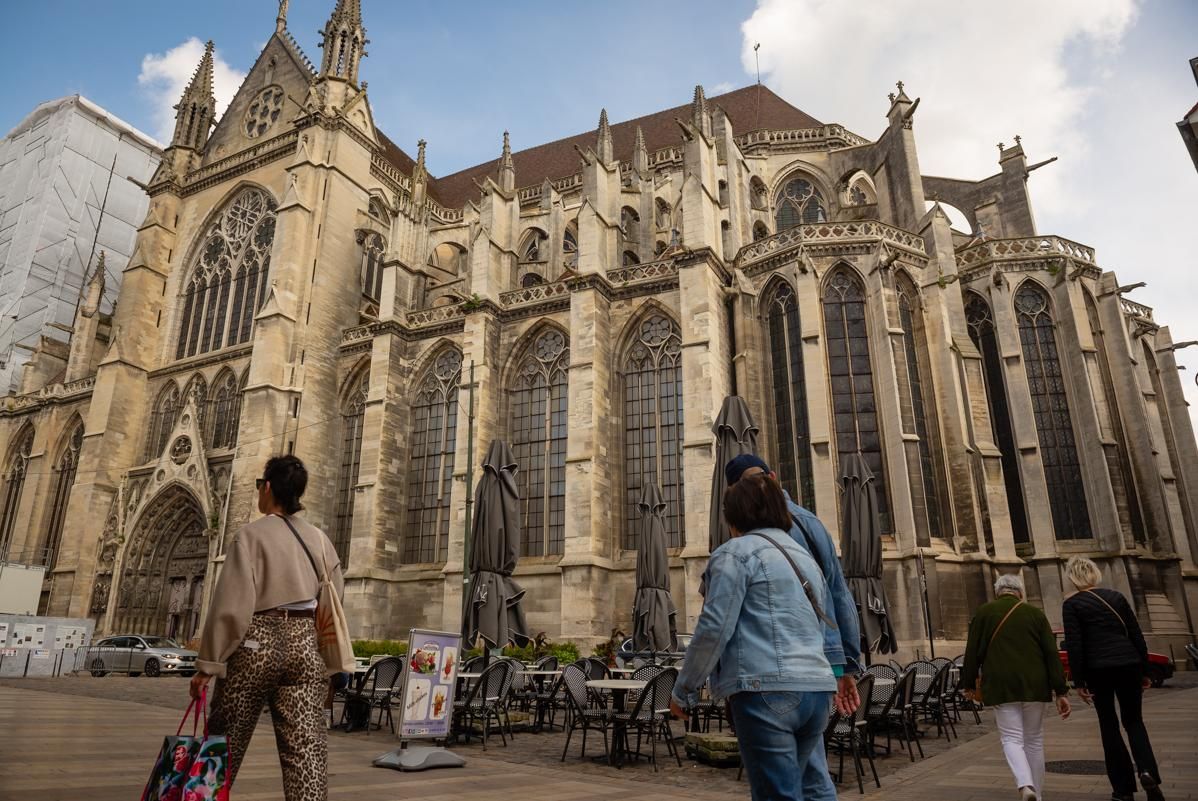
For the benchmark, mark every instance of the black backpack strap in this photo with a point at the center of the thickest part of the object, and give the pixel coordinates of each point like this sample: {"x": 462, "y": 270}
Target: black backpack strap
{"x": 799, "y": 575}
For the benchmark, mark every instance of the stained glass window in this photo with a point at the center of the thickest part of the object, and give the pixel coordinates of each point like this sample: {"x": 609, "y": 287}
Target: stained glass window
{"x": 162, "y": 420}
{"x": 652, "y": 380}
{"x": 985, "y": 339}
{"x": 353, "y": 413}
{"x": 789, "y": 394}
{"x": 799, "y": 202}
{"x": 431, "y": 450}
{"x": 227, "y": 282}
{"x": 1050, "y": 405}
{"x": 373, "y": 247}
{"x": 224, "y": 410}
{"x": 15, "y": 469}
{"x": 538, "y": 424}
{"x": 928, "y": 497}
{"x": 64, "y": 478}
{"x": 850, "y": 372}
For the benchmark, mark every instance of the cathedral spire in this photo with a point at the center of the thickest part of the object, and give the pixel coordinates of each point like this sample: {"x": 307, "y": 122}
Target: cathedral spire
{"x": 281, "y": 19}
{"x": 604, "y": 149}
{"x": 699, "y": 116}
{"x": 195, "y": 112}
{"x": 93, "y": 292}
{"x": 344, "y": 42}
{"x": 640, "y": 154}
{"x": 507, "y": 170}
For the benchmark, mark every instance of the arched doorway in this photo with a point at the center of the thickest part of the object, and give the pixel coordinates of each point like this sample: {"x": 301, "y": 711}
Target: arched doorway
{"x": 162, "y": 578}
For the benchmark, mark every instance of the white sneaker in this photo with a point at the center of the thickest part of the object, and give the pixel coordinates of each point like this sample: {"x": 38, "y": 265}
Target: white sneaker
{"x": 1028, "y": 794}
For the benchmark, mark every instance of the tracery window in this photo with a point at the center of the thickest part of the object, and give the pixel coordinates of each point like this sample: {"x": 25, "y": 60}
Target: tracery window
{"x": 652, "y": 379}
{"x": 1050, "y": 405}
{"x": 224, "y": 410}
{"x": 538, "y": 400}
{"x": 985, "y": 339}
{"x": 162, "y": 420}
{"x": 263, "y": 111}
{"x": 430, "y": 460}
{"x": 353, "y": 414}
{"x": 857, "y": 196}
{"x": 227, "y": 283}
{"x": 927, "y": 478}
{"x": 532, "y": 246}
{"x": 799, "y": 202}
{"x": 373, "y": 247}
{"x": 531, "y": 279}
{"x": 760, "y": 231}
{"x": 15, "y": 470}
{"x": 630, "y": 224}
{"x": 570, "y": 247}
{"x": 64, "y": 478}
{"x": 629, "y": 259}
{"x": 854, "y": 405}
{"x": 789, "y": 394}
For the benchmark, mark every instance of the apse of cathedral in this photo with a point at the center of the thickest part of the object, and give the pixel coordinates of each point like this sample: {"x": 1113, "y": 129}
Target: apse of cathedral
{"x": 301, "y": 284}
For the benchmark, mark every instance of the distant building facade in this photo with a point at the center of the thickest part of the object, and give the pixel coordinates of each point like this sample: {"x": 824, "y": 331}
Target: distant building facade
{"x": 301, "y": 284}
{"x": 1189, "y": 124}
{"x": 64, "y": 198}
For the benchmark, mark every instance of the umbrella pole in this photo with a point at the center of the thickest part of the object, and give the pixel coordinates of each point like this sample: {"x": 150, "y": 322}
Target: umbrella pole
{"x": 466, "y": 577}
{"x": 927, "y": 607}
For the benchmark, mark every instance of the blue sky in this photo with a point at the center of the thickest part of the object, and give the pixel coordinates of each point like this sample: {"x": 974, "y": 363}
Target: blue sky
{"x": 1099, "y": 83}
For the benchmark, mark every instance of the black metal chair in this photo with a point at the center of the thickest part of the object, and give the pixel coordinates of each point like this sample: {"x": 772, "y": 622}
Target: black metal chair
{"x": 486, "y": 700}
{"x": 930, "y": 696}
{"x": 650, "y": 717}
{"x": 959, "y": 699}
{"x": 378, "y": 687}
{"x": 851, "y": 734}
{"x": 896, "y": 714}
{"x": 596, "y": 668}
{"x": 585, "y": 712}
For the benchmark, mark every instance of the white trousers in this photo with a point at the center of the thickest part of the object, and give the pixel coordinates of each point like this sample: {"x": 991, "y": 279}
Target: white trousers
{"x": 1021, "y": 729}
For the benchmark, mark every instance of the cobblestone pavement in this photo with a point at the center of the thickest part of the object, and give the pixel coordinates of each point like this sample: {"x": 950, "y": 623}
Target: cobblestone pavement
{"x": 42, "y": 721}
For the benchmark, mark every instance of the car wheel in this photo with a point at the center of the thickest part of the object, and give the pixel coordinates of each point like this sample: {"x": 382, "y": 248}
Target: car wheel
{"x": 152, "y": 669}
{"x": 97, "y": 668}
{"x": 1156, "y": 676}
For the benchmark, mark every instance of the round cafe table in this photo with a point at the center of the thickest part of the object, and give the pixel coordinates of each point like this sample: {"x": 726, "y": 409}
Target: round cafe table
{"x": 619, "y": 692}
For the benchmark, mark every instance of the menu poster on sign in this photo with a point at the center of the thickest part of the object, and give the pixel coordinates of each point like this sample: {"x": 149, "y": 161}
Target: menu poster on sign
{"x": 430, "y": 672}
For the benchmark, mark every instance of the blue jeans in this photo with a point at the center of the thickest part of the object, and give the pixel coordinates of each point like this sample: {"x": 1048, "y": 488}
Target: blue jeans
{"x": 780, "y": 735}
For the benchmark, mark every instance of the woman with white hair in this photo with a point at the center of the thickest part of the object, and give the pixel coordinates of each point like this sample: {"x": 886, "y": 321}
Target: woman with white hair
{"x": 1108, "y": 659}
{"x": 1011, "y": 658}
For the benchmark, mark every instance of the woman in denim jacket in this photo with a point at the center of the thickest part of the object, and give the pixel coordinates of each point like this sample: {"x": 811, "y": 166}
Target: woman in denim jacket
{"x": 761, "y": 641}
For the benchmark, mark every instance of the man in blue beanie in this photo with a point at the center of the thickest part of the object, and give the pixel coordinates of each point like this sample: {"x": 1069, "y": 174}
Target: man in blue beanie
{"x": 842, "y": 645}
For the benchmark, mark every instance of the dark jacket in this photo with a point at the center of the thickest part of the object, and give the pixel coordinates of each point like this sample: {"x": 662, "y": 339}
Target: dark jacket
{"x": 1022, "y": 663}
{"x": 1095, "y": 636}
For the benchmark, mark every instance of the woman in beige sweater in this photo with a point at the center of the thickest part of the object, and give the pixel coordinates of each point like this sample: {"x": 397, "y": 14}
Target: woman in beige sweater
{"x": 259, "y": 638}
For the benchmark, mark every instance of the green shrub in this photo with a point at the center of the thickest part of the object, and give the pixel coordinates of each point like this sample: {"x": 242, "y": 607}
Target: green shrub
{"x": 366, "y": 648}
{"x": 566, "y": 652}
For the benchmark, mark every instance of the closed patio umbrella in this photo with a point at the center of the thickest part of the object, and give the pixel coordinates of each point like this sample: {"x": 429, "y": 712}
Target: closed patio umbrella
{"x": 735, "y": 434}
{"x": 653, "y": 609}
{"x": 494, "y": 611}
{"x": 861, "y": 555}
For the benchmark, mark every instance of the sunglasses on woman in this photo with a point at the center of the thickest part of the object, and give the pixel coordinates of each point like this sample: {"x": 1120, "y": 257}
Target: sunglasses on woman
{"x": 259, "y": 483}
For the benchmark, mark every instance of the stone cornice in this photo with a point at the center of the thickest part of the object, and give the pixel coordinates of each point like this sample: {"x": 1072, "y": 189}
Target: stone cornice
{"x": 199, "y": 362}
{"x": 241, "y": 162}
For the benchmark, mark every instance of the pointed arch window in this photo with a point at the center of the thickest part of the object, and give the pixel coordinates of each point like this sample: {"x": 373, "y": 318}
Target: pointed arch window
{"x": 850, "y": 371}
{"x": 539, "y": 423}
{"x": 927, "y": 479}
{"x": 15, "y": 469}
{"x": 652, "y": 384}
{"x": 630, "y": 225}
{"x": 800, "y": 202}
{"x": 430, "y": 460}
{"x": 760, "y": 231}
{"x": 984, "y": 337}
{"x": 162, "y": 420}
{"x": 227, "y": 283}
{"x": 1050, "y": 406}
{"x": 373, "y": 248}
{"x": 570, "y": 247}
{"x": 64, "y": 478}
{"x": 224, "y": 410}
{"x": 789, "y": 385}
{"x": 532, "y": 248}
{"x": 353, "y": 414}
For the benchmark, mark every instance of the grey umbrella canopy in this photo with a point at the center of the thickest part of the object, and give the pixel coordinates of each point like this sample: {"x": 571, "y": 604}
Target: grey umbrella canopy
{"x": 494, "y": 611}
{"x": 861, "y": 554}
{"x": 653, "y": 609}
{"x": 735, "y": 433}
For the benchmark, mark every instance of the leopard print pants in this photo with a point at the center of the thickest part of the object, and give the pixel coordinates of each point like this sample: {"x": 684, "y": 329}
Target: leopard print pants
{"x": 286, "y": 673}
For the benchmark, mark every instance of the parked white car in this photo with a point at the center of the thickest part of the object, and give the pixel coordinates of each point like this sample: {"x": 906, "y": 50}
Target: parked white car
{"x": 136, "y": 654}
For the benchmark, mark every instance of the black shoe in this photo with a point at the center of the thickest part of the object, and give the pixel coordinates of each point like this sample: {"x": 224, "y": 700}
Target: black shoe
{"x": 1122, "y": 797}
{"x": 1151, "y": 788}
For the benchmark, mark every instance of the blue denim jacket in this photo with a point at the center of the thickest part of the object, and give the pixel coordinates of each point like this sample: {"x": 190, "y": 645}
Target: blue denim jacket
{"x": 757, "y": 631}
{"x": 842, "y": 645}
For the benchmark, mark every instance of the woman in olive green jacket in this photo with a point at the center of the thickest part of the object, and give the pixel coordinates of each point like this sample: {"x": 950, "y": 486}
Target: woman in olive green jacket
{"x": 1012, "y": 648}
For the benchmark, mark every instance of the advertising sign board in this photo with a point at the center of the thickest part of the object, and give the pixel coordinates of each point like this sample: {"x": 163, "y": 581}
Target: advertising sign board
{"x": 430, "y": 675}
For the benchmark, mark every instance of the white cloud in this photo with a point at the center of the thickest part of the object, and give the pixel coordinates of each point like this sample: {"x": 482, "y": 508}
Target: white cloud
{"x": 1054, "y": 72}
{"x": 164, "y": 76}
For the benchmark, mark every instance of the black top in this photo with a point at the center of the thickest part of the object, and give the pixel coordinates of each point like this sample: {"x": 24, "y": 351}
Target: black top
{"x": 1094, "y": 636}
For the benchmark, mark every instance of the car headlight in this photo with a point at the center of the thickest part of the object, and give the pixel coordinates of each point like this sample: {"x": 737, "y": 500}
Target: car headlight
{"x": 170, "y": 656}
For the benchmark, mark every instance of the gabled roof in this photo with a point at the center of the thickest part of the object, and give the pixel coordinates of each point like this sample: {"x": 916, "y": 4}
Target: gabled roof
{"x": 752, "y": 108}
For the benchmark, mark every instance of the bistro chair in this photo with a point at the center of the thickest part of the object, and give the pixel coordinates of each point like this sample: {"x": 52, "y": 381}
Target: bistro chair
{"x": 650, "y": 717}
{"x": 382, "y": 682}
{"x": 851, "y": 734}
{"x": 896, "y": 714}
{"x": 585, "y": 711}
{"x": 485, "y": 701}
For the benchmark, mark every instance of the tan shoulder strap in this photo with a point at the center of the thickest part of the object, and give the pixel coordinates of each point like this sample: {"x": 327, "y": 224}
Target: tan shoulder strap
{"x": 998, "y": 628}
{"x": 1108, "y": 606}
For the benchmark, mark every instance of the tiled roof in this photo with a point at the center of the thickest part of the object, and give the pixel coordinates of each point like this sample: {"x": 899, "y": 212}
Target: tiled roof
{"x": 752, "y": 108}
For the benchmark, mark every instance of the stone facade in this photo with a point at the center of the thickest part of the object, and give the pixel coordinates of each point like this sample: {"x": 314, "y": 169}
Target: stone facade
{"x": 300, "y": 284}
